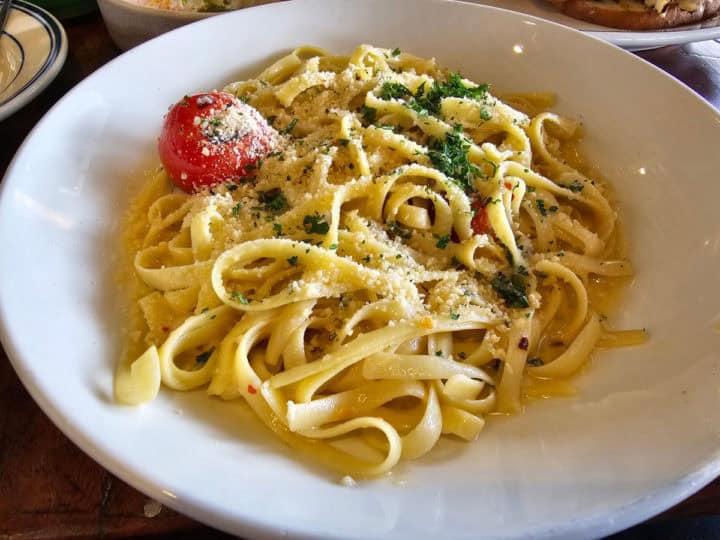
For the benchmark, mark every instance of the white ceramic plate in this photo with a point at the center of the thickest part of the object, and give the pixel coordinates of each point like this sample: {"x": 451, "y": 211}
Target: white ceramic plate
{"x": 33, "y": 47}
{"x": 632, "y": 41}
{"x": 644, "y": 431}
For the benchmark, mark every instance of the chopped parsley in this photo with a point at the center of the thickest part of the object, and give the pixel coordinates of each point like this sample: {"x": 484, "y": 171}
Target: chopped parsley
{"x": 442, "y": 241}
{"x": 576, "y": 187}
{"x": 202, "y": 358}
{"x": 368, "y": 113}
{"x": 396, "y": 51}
{"x": 236, "y": 209}
{"x": 288, "y": 129}
{"x": 293, "y": 261}
{"x": 450, "y": 156}
{"x": 393, "y": 90}
{"x": 485, "y": 114}
{"x": 454, "y": 316}
{"x": 429, "y": 102}
{"x": 273, "y": 201}
{"x": 513, "y": 289}
{"x": 536, "y": 362}
{"x": 240, "y": 297}
{"x": 395, "y": 230}
{"x": 316, "y": 224}
{"x": 493, "y": 165}
{"x": 333, "y": 246}
{"x": 541, "y": 207}
{"x": 277, "y": 229}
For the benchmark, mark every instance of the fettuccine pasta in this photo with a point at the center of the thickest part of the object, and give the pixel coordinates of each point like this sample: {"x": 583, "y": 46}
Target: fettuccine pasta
{"x": 409, "y": 259}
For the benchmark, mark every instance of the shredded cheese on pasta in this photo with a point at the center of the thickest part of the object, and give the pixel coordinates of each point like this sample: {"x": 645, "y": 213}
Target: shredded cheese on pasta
{"x": 414, "y": 252}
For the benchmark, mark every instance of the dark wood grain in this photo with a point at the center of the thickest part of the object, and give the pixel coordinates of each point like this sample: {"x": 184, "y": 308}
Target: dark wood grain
{"x": 48, "y": 487}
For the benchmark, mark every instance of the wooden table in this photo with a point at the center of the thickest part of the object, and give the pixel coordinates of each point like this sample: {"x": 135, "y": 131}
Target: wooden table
{"x": 50, "y": 489}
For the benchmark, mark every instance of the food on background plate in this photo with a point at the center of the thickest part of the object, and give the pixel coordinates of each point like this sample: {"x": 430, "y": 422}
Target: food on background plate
{"x": 639, "y": 14}
{"x": 371, "y": 248}
{"x": 200, "y": 6}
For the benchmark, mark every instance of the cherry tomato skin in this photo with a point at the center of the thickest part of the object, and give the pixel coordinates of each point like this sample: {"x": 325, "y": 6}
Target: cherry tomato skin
{"x": 211, "y": 138}
{"x": 480, "y": 222}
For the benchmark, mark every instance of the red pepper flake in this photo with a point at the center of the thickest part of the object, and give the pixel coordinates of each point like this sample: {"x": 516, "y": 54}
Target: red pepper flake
{"x": 508, "y": 185}
{"x": 165, "y": 328}
{"x": 523, "y": 344}
{"x": 252, "y": 389}
{"x": 480, "y": 222}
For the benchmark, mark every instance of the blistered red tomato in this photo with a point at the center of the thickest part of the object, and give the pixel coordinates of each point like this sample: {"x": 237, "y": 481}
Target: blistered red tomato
{"x": 480, "y": 222}
{"x": 211, "y": 138}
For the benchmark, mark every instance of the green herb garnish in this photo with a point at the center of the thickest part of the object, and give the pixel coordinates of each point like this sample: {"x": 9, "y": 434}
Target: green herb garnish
{"x": 536, "y": 362}
{"x": 293, "y": 260}
{"x": 240, "y": 297}
{"x": 202, "y": 358}
{"x": 450, "y": 156}
{"x": 368, "y": 113}
{"x": 513, "y": 289}
{"x": 454, "y": 87}
{"x": 576, "y": 186}
{"x": 288, "y": 129}
{"x": 273, "y": 201}
{"x": 541, "y": 207}
{"x": 316, "y": 224}
{"x": 394, "y": 229}
{"x": 442, "y": 241}
{"x": 392, "y": 90}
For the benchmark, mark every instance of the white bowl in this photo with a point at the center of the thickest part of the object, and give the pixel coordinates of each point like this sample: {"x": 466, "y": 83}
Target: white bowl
{"x": 131, "y": 23}
{"x": 643, "y": 431}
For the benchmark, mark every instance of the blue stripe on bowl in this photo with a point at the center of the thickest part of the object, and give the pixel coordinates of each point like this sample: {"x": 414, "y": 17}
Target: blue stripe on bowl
{"x": 54, "y": 34}
{"x": 22, "y": 57}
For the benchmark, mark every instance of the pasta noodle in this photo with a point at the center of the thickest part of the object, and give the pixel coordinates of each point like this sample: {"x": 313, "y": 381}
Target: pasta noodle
{"x": 412, "y": 256}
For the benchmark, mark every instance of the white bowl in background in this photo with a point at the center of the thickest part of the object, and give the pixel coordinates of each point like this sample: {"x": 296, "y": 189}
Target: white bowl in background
{"x": 643, "y": 431}
{"x": 131, "y": 23}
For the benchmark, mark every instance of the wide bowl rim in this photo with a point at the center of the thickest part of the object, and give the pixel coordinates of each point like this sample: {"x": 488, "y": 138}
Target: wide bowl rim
{"x": 652, "y": 502}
